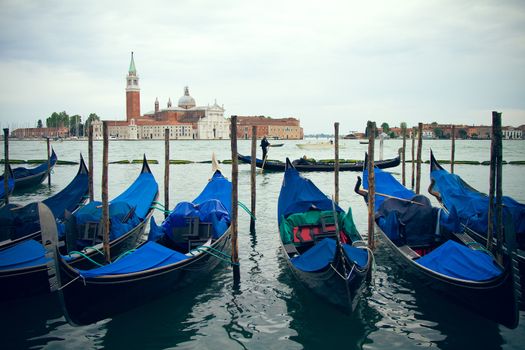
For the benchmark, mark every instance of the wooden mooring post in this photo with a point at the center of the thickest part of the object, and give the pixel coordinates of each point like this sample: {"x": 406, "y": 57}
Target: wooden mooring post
{"x": 235, "y": 202}
{"x": 6, "y": 166}
{"x": 166, "y": 172}
{"x": 403, "y": 153}
{"x": 336, "y": 158}
{"x": 371, "y": 126}
{"x": 413, "y": 158}
{"x": 105, "y": 196}
{"x": 90, "y": 163}
{"x": 496, "y": 211}
{"x": 453, "y": 149}
{"x": 253, "y": 183}
{"x": 418, "y": 161}
{"x": 48, "y": 163}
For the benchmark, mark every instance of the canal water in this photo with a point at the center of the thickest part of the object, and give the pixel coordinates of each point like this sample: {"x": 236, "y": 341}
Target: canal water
{"x": 270, "y": 310}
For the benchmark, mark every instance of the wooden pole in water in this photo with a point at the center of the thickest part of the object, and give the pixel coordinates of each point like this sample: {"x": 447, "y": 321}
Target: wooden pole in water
{"x": 403, "y": 153}
{"x": 453, "y": 150}
{"x": 234, "y": 218}
{"x": 371, "y": 126}
{"x": 492, "y": 187}
{"x": 166, "y": 172}
{"x": 413, "y": 157}
{"x": 48, "y": 163}
{"x": 418, "y": 164}
{"x": 381, "y": 140}
{"x": 496, "y": 122}
{"x": 336, "y": 166}
{"x": 90, "y": 163}
{"x": 252, "y": 176}
{"x": 6, "y": 166}
{"x": 105, "y": 200}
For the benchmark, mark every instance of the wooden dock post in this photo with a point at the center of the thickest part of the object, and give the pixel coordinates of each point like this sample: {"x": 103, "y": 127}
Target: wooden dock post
{"x": 235, "y": 202}
{"x": 413, "y": 157}
{"x": 496, "y": 127}
{"x": 252, "y": 177}
{"x": 418, "y": 164}
{"x": 453, "y": 149}
{"x": 48, "y": 163}
{"x": 403, "y": 152}
{"x": 371, "y": 126}
{"x": 90, "y": 163}
{"x": 381, "y": 141}
{"x": 105, "y": 197}
{"x": 336, "y": 166}
{"x": 6, "y": 166}
{"x": 166, "y": 172}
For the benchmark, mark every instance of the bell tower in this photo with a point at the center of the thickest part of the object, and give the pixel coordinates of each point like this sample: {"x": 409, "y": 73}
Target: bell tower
{"x": 132, "y": 92}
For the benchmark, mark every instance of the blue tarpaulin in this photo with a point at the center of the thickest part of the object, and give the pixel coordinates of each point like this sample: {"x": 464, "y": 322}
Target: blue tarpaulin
{"x": 299, "y": 194}
{"x": 133, "y": 205}
{"x": 25, "y": 254}
{"x": 149, "y": 256}
{"x": 386, "y": 184}
{"x": 212, "y": 205}
{"x": 322, "y": 254}
{"x": 456, "y": 260}
{"x": 471, "y": 205}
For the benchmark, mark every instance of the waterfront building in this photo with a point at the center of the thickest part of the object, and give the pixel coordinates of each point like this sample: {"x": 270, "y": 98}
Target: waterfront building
{"x": 273, "y": 128}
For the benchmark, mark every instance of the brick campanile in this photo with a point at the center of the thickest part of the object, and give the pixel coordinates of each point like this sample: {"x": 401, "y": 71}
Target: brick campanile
{"x": 132, "y": 92}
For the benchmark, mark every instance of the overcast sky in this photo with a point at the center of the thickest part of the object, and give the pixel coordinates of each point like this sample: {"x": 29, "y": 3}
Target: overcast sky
{"x": 320, "y": 61}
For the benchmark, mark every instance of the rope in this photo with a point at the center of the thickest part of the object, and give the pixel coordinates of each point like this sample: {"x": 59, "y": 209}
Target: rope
{"x": 124, "y": 254}
{"x": 243, "y": 206}
{"x": 95, "y": 249}
{"x": 208, "y": 250}
{"x": 159, "y": 203}
{"x": 85, "y": 256}
{"x": 160, "y": 209}
{"x": 68, "y": 283}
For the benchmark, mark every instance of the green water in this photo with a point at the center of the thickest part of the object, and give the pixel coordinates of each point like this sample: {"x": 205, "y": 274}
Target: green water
{"x": 270, "y": 310}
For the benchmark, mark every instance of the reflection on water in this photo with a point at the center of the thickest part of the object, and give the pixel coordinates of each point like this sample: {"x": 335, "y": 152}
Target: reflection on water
{"x": 270, "y": 309}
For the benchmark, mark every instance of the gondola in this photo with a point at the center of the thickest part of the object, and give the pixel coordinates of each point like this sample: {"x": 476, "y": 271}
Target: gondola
{"x": 472, "y": 207}
{"x": 320, "y": 242}
{"x": 18, "y": 223}
{"x": 306, "y": 165}
{"x": 429, "y": 243}
{"x": 24, "y": 266}
{"x": 30, "y": 177}
{"x": 188, "y": 245}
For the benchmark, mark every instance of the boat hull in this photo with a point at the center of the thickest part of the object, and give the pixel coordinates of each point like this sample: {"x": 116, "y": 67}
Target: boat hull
{"x": 494, "y": 299}
{"x": 85, "y": 301}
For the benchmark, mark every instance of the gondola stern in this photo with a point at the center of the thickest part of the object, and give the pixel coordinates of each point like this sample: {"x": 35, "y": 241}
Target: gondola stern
{"x": 434, "y": 165}
{"x": 145, "y": 165}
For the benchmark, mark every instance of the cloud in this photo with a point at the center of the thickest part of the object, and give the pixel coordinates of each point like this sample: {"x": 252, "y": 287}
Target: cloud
{"x": 343, "y": 61}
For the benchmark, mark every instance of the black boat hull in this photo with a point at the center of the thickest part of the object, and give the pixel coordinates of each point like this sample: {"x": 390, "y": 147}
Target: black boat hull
{"x": 85, "y": 301}
{"x": 330, "y": 285}
{"x": 494, "y": 300}
{"x": 278, "y": 166}
{"x": 31, "y": 281}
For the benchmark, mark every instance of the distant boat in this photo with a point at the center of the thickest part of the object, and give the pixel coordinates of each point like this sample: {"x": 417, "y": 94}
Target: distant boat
{"x": 317, "y": 145}
{"x": 277, "y": 145}
{"x": 364, "y": 142}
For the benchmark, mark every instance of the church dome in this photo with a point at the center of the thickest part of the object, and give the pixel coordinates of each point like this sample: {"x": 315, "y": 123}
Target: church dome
{"x": 186, "y": 101}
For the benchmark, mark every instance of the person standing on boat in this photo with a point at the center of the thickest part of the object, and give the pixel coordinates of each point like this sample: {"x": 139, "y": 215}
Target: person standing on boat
{"x": 264, "y": 145}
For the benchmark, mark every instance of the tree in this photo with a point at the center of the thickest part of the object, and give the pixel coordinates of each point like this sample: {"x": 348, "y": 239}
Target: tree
{"x": 58, "y": 120}
{"x": 90, "y": 119}
{"x": 74, "y": 123}
{"x": 434, "y": 123}
{"x": 385, "y": 127}
{"x": 39, "y": 124}
{"x": 439, "y": 133}
{"x": 462, "y": 133}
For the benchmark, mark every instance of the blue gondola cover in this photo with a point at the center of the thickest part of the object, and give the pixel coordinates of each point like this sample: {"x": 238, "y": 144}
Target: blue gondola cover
{"x": 300, "y": 196}
{"x": 25, "y": 254}
{"x": 149, "y": 256}
{"x": 456, "y": 260}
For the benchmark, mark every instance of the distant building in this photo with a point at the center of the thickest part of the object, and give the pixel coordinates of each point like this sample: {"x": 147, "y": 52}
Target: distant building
{"x": 511, "y": 133}
{"x": 185, "y": 121}
{"x": 273, "y": 128}
{"x": 25, "y": 133}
